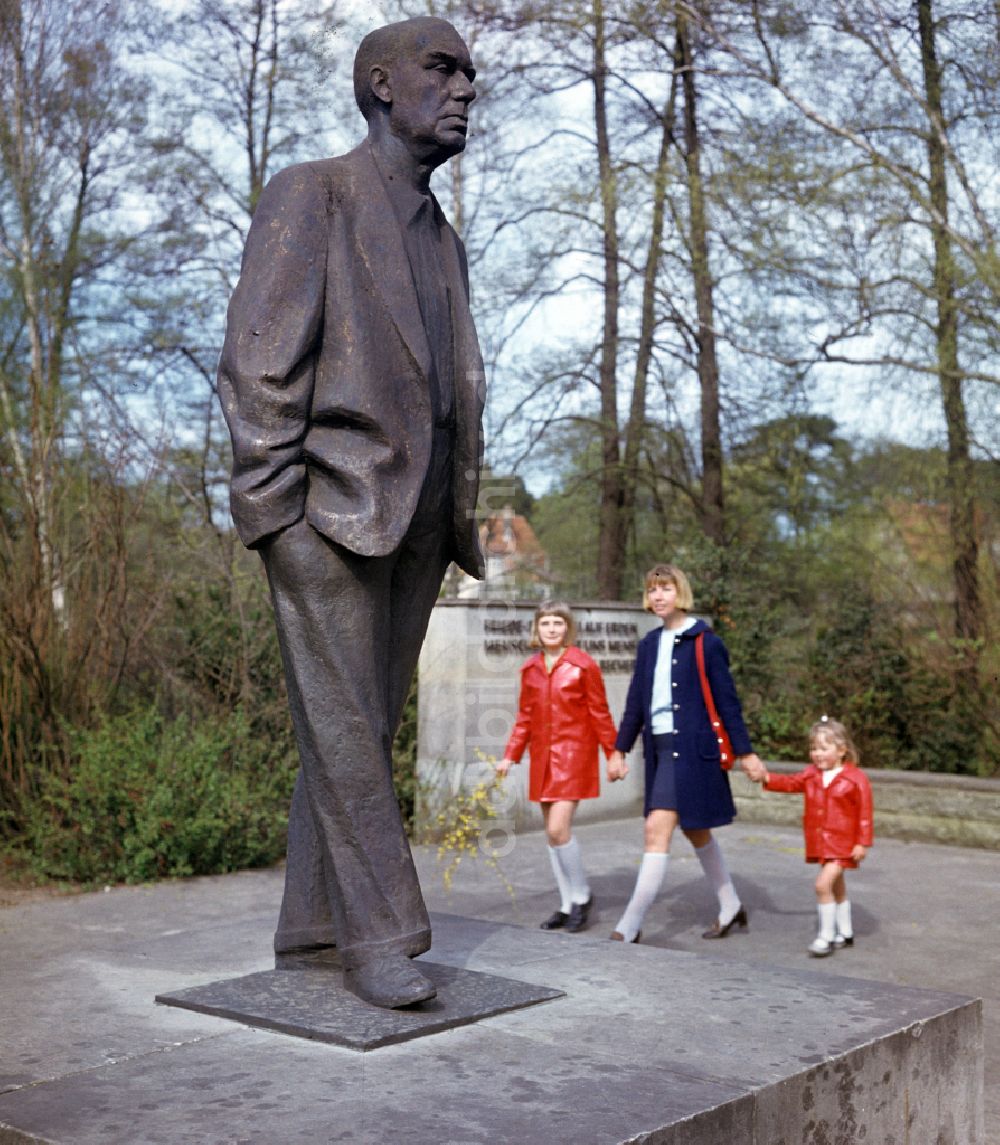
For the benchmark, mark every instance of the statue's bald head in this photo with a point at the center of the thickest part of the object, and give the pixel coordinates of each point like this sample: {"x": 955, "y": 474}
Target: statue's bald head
{"x": 384, "y": 46}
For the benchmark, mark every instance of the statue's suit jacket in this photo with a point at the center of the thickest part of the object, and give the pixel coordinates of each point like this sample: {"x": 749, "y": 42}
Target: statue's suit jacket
{"x": 324, "y": 371}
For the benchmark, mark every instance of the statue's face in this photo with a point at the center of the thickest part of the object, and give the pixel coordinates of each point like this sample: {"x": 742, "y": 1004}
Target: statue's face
{"x": 430, "y": 84}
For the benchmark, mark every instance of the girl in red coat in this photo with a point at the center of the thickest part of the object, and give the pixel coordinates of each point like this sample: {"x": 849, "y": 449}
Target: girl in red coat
{"x": 837, "y": 824}
{"x": 562, "y": 716}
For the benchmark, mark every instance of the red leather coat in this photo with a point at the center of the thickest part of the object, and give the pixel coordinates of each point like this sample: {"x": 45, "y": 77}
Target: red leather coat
{"x": 836, "y": 818}
{"x": 562, "y": 717}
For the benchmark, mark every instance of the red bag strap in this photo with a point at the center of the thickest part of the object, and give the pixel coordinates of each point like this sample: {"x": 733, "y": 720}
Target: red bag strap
{"x": 706, "y": 691}
{"x": 726, "y": 752}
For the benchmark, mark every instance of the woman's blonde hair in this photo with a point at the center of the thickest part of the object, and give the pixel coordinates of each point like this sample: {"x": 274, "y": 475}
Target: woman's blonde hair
{"x": 553, "y": 608}
{"x": 835, "y": 730}
{"x": 669, "y": 574}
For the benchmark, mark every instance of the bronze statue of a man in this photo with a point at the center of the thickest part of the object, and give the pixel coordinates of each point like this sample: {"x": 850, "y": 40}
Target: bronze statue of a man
{"x": 352, "y": 383}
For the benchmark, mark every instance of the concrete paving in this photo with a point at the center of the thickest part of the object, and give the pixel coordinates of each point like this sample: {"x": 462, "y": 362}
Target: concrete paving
{"x": 77, "y": 975}
{"x": 925, "y": 915}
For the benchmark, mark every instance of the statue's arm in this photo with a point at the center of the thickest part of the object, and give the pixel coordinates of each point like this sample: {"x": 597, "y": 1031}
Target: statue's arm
{"x": 267, "y": 368}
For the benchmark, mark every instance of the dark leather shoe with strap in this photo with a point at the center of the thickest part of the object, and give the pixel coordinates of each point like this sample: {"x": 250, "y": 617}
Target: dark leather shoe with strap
{"x": 555, "y": 921}
{"x": 718, "y": 931}
{"x": 578, "y": 914}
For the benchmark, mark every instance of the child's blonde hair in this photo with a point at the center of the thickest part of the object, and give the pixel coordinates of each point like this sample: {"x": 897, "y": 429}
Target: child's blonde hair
{"x": 835, "y": 730}
{"x": 553, "y": 608}
{"x": 669, "y": 574}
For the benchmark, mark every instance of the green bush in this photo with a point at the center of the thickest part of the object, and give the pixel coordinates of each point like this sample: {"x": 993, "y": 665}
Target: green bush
{"x": 404, "y": 759}
{"x": 148, "y": 798}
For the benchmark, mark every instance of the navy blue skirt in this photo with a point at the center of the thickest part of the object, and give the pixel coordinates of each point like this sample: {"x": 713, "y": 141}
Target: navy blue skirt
{"x": 696, "y": 788}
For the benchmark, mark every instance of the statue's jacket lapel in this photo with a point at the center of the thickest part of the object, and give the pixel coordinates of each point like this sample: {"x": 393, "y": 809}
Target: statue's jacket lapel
{"x": 379, "y": 243}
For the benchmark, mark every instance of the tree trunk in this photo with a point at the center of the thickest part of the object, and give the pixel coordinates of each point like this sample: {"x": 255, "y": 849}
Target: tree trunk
{"x": 961, "y": 489}
{"x": 635, "y": 429}
{"x": 708, "y": 367}
{"x": 611, "y": 551}
{"x": 45, "y": 365}
{"x": 262, "y": 74}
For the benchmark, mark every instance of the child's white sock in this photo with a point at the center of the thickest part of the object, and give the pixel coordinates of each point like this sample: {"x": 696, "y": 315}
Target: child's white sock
{"x": 562, "y": 882}
{"x": 827, "y": 921}
{"x": 647, "y": 887}
{"x": 713, "y": 863}
{"x": 843, "y": 915}
{"x": 571, "y": 860}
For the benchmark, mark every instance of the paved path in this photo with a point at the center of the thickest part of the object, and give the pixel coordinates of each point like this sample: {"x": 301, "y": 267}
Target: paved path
{"x": 77, "y": 974}
{"x": 924, "y": 915}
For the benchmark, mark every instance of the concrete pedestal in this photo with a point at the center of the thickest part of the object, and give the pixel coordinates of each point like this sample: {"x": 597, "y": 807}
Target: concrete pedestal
{"x": 647, "y": 1045}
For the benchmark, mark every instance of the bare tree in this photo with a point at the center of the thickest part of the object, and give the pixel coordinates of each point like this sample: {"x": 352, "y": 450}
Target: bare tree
{"x": 67, "y": 121}
{"x": 246, "y": 88}
{"x": 961, "y": 488}
{"x": 916, "y": 148}
{"x": 712, "y": 503}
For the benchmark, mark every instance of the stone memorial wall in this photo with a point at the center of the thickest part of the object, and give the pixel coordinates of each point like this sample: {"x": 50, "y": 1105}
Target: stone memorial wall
{"x": 469, "y": 678}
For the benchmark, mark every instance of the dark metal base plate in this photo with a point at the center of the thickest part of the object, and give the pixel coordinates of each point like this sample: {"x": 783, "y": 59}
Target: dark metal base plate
{"x": 312, "y": 1003}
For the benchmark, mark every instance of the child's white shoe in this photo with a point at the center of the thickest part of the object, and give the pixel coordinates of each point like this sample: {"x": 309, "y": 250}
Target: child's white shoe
{"x": 820, "y": 947}
{"x": 843, "y": 940}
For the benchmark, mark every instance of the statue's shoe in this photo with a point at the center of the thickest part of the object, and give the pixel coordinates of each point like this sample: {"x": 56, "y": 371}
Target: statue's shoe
{"x": 389, "y": 981}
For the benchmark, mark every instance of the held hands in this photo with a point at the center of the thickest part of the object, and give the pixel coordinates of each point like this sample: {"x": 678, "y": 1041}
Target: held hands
{"x": 503, "y": 767}
{"x": 753, "y": 766}
{"x": 617, "y": 767}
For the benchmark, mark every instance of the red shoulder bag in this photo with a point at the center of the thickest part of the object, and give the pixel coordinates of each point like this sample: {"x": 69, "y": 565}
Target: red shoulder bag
{"x": 726, "y": 754}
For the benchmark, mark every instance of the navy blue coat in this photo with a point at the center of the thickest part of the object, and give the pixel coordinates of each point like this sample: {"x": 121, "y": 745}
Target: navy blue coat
{"x": 702, "y": 786}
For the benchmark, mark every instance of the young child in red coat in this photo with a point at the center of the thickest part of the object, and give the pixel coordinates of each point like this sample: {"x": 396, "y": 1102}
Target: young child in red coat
{"x": 837, "y": 824}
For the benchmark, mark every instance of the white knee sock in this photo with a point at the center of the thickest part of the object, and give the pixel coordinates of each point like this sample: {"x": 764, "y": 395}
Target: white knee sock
{"x": 647, "y": 886}
{"x": 713, "y": 863}
{"x": 843, "y": 914}
{"x": 562, "y": 882}
{"x": 571, "y": 861}
{"x": 827, "y": 921}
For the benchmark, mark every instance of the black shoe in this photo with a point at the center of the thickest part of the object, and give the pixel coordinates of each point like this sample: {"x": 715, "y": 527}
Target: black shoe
{"x": 578, "y": 913}
{"x": 717, "y": 931}
{"x": 555, "y": 921}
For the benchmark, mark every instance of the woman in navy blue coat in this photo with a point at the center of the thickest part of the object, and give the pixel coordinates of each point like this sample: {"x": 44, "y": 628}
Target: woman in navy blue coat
{"x": 685, "y": 782}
